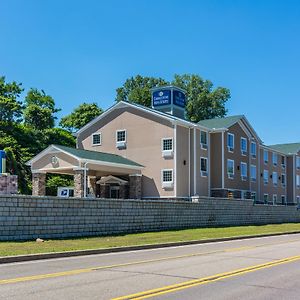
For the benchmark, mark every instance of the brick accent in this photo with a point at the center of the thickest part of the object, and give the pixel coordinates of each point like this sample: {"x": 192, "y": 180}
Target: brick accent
{"x": 39, "y": 184}
{"x": 219, "y": 193}
{"x": 135, "y": 186}
{"x": 92, "y": 185}
{"x": 78, "y": 183}
{"x": 104, "y": 190}
{"x": 8, "y": 184}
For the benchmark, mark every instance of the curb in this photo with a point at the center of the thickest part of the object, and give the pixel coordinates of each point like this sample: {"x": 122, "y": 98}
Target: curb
{"x": 33, "y": 257}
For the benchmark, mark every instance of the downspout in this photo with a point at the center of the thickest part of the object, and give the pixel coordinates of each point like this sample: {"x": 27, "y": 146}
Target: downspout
{"x": 223, "y": 183}
{"x": 189, "y": 162}
{"x": 85, "y": 181}
{"x": 209, "y": 166}
{"x": 294, "y": 179}
{"x": 175, "y": 162}
{"x": 195, "y": 165}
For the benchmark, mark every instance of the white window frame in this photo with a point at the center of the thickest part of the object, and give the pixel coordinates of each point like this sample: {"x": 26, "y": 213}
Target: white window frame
{"x": 283, "y": 196}
{"x": 266, "y": 180}
{"x": 266, "y": 160}
{"x": 283, "y": 164}
{"x": 273, "y": 177}
{"x": 230, "y": 149}
{"x": 244, "y": 151}
{"x": 121, "y": 130}
{"x": 251, "y": 168}
{"x": 253, "y": 196}
{"x": 274, "y": 158}
{"x": 255, "y": 147}
{"x": 267, "y": 198}
{"x": 298, "y": 181}
{"x": 97, "y": 144}
{"x": 244, "y": 177}
{"x": 167, "y": 184}
{"x": 297, "y": 162}
{"x": 275, "y": 198}
{"x": 230, "y": 175}
{"x": 204, "y": 173}
{"x": 204, "y": 145}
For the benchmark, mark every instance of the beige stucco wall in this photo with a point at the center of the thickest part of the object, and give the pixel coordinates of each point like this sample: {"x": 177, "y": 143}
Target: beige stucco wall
{"x": 216, "y": 159}
{"x": 144, "y": 138}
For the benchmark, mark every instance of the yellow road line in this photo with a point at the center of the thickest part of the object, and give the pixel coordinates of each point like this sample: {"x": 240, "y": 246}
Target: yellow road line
{"x": 205, "y": 280}
{"x": 86, "y": 270}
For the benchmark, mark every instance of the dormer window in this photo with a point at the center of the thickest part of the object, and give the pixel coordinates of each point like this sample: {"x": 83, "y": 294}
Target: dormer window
{"x": 96, "y": 139}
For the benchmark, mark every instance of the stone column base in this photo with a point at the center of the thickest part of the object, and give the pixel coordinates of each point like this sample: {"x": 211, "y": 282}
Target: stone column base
{"x": 38, "y": 184}
{"x": 135, "y": 186}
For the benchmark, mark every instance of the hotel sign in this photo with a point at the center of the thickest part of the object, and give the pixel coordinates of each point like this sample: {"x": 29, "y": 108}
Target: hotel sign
{"x": 162, "y": 97}
{"x": 179, "y": 98}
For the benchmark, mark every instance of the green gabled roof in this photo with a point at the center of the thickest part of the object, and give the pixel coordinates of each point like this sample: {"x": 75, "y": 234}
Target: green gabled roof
{"x": 99, "y": 156}
{"x": 221, "y": 122}
{"x": 291, "y": 148}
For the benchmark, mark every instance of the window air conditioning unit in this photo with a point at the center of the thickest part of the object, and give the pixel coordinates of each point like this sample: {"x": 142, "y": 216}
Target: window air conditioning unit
{"x": 230, "y": 149}
{"x": 204, "y": 173}
{"x": 230, "y": 175}
{"x": 253, "y": 179}
{"x": 167, "y": 153}
{"x": 203, "y": 146}
{"x": 121, "y": 145}
{"x": 244, "y": 178}
{"x": 167, "y": 185}
{"x": 244, "y": 153}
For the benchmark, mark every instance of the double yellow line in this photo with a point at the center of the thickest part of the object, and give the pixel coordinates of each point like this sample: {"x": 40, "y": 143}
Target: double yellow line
{"x": 205, "y": 280}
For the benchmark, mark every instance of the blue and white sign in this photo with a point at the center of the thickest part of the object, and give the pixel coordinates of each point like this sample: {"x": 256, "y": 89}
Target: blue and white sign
{"x": 162, "y": 97}
{"x": 179, "y": 98}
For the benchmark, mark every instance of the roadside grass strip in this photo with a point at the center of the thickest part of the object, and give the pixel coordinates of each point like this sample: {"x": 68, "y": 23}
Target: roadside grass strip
{"x": 196, "y": 282}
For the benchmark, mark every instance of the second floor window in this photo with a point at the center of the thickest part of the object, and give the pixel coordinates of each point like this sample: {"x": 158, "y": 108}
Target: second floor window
{"x": 298, "y": 181}
{"x": 253, "y": 149}
{"x": 243, "y": 145}
{"x": 243, "y": 170}
{"x": 230, "y": 141}
{"x": 283, "y": 180}
{"x": 167, "y": 144}
{"x": 253, "y": 172}
{"x": 230, "y": 168}
{"x": 203, "y": 139}
{"x": 266, "y": 176}
{"x": 121, "y": 136}
{"x": 203, "y": 166}
{"x": 275, "y": 159}
{"x": 266, "y": 156}
{"x": 275, "y": 178}
{"x": 298, "y": 162}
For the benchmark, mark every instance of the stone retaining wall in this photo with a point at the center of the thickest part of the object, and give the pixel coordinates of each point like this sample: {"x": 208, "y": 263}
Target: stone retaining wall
{"x": 28, "y": 217}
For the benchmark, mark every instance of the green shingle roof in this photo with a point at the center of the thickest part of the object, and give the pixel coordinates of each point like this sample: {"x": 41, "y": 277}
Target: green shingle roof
{"x": 292, "y": 148}
{"x": 221, "y": 122}
{"x": 99, "y": 156}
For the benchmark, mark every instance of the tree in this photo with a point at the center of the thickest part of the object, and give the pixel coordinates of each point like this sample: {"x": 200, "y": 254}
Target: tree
{"x": 39, "y": 110}
{"x": 10, "y": 107}
{"x": 137, "y": 89}
{"x": 203, "y": 102}
{"x": 55, "y": 181}
{"x": 81, "y": 115}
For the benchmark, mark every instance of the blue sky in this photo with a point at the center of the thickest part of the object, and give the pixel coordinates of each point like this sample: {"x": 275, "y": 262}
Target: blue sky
{"x": 83, "y": 50}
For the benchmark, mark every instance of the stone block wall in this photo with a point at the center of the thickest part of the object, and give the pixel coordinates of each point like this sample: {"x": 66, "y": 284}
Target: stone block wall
{"x": 29, "y": 217}
{"x": 8, "y": 184}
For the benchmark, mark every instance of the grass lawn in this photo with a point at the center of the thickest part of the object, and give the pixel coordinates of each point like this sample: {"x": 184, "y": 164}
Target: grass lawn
{"x": 32, "y": 247}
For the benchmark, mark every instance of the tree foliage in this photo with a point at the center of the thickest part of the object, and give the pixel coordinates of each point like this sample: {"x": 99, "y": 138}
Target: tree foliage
{"x": 10, "y": 106}
{"x": 204, "y": 102}
{"x": 81, "y": 115}
{"x": 39, "y": 110}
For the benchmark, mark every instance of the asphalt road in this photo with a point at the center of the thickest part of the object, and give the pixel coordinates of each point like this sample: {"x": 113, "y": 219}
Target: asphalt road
{"x": 262, "y": 268}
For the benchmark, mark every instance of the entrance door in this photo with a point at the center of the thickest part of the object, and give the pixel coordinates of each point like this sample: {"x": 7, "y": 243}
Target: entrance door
{"x": 114, "y": 192}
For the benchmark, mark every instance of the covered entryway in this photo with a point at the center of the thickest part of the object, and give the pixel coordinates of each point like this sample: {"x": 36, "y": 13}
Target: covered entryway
{"x": 119, "y": 177}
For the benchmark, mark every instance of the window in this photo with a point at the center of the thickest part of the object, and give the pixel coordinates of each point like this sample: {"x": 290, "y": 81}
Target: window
{"x": 274, "y": 159}
{"x": 243, "y": 171}
{"x": 266, "y": 156}
{"x": 243, "y": 146}
{"x": 96, "y": 139}
{"x": 298, "y": 181}
{"x": 283, "y": 200}
{"x": 167, "y": 175}
{"x": 167, "y": 144}
{"x": 253, "y": 172}
{"x": 274, "y": 199}
{"x": 203, "y": 139}
{"x": 283, "y": 180}
{"x": 283, "y": 161}
{"x": 121, "y": 136}
{"x": 266, "y": 198}
{"x": 230, "y": 142}
{"x": 230, "y": 168}
{"x": 253, "y": 196}
{"x": 275, "y": 178}
{"x": 203, "y": 166}
{"x": 253, "y": 149}
{"x": 298, "y": 162}
{"x": 266, "y": 176}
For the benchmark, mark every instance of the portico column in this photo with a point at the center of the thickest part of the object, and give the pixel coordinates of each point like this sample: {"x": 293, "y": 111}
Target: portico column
{"x": 79, "y": 183}
{"x": 38, "y": 184}
{"x": 92, "y": 185}
{"x": 135, "y": 186}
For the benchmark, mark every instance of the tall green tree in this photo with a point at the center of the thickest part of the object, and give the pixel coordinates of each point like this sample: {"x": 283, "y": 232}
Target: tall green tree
{"x": 137, "y": 89}
{"x": 40, "y": 110}
{"x": 204, "y": 102}
{"x": 10, "y": 106}
{"x": 81, "y": 115}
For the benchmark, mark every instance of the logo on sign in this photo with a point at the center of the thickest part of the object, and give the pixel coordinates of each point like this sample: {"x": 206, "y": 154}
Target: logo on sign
{"x": 161, "y": 98}
{"x": 160, "y": 94}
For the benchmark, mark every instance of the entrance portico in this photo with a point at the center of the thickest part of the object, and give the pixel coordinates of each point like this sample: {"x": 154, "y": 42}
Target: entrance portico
{"x": 90, "y": 169}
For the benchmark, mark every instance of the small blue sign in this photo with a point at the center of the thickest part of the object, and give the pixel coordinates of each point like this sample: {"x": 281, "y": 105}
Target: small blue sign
{"x": 179, "y": 98}
{"x": 162, "y": 97}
